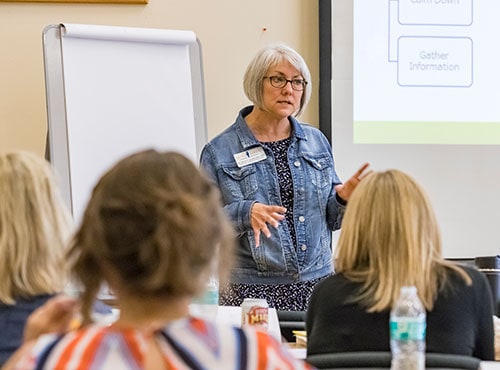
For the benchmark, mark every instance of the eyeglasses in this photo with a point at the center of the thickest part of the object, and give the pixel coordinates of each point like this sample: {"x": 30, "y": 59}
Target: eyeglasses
{"x": 280, "y": 82}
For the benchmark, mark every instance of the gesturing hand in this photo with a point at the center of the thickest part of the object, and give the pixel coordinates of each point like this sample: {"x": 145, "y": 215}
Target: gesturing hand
{"x": 263, "y": 215}
{"x": 345, "y": 190}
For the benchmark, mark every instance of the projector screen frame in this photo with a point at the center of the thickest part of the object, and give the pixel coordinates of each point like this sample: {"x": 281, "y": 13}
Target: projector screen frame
{"x": 465, "y": 203}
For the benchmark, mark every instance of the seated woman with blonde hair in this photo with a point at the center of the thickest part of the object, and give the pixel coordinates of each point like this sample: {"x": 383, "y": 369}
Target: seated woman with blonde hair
{"x": 152, "y": 230}
{"x": 389, "y": 239}
{"x": 34, "y": 227}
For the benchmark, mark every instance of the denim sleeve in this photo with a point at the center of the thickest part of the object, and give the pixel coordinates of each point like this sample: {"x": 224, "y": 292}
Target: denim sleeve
{"x": 237, "y": 212}
{"x": 335, "y": 211}
{"x": 335, "y": 207}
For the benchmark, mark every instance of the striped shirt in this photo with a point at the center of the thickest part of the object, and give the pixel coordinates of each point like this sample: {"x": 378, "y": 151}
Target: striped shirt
{"x": 189, "y": 343}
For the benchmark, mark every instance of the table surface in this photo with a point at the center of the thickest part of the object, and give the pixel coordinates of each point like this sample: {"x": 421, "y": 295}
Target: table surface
{"x": 232, "y": 315}
{"x": 489, "y": 365}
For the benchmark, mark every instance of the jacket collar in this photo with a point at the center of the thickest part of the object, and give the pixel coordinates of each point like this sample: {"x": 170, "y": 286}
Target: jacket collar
{"x": 246, "y": 137}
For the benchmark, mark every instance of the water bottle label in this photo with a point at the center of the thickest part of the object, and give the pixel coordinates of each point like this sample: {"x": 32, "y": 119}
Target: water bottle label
{"x": 208, "y": 297}
{"x": 211, "y": 297}
{"x": 409, "y": 329}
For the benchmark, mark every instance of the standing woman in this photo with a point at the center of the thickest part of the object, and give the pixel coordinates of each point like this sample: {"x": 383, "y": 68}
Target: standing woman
{"x": 34, "y": 225}
{"x": 279, "y": 186}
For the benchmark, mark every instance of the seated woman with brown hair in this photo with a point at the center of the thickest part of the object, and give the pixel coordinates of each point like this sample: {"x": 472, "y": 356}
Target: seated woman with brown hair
{"x": 389, "y": 239}
{"x": 151, "y": 230}
{"x": 34, "y": 227}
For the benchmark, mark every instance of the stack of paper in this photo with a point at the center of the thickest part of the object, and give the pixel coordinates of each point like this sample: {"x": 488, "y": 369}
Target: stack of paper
{"x": 300, "y": 338}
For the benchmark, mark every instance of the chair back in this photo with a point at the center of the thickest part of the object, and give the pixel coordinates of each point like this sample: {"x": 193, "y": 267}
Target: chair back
{"x": 490, "y": 266}
{"x": 382, "y": 361}
{"x": 290, "y": 321}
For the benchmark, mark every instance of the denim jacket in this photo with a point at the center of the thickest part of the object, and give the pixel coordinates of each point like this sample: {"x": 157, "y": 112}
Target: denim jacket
{"x": 316, "y": 209}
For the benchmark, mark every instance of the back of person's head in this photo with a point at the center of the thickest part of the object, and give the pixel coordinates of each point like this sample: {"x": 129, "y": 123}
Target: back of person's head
{"x": 152, "y": 228}
{"x": 34, "y": 228}
{"x": 390, "y": 238}
{"x": 266, "y": 58}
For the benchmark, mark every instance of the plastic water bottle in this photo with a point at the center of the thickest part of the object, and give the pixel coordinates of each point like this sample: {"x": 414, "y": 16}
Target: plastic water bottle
{"x": 206, "y": 306}
{"x": 211, "y": 296}
{"x": 407, "y": 329}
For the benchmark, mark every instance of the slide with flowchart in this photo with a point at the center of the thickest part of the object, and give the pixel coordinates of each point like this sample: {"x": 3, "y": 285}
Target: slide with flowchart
{"x": 426, "y": 71}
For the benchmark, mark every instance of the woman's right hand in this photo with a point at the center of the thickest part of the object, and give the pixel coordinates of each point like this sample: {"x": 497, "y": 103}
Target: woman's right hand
{"x": 263, "y": 215}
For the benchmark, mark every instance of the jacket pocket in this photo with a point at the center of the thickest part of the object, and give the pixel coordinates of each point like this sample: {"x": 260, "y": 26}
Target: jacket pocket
{"x": 320, "y": 169}
{"x": 241, "y": 183}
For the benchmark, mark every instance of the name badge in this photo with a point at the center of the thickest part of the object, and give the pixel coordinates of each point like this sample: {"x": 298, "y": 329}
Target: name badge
{"x": 249, "y": 156}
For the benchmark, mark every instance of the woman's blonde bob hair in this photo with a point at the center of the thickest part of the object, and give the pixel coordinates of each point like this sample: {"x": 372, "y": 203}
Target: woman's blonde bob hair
{"x": 34, "y": 228}
{"x": 155, "y": 224}
{"x": 265, "y": 59}
{"x": 390, "y": 238}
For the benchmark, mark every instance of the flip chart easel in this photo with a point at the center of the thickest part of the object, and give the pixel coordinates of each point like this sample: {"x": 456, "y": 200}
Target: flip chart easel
{"x": 112, "y": 91}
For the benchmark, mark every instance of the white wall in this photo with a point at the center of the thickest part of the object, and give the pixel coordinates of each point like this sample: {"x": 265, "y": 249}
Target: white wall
{"x": 231, "y": 31}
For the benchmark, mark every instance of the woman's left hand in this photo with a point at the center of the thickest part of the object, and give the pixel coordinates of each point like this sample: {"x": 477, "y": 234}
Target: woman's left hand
{"x": 345, "y": 190}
